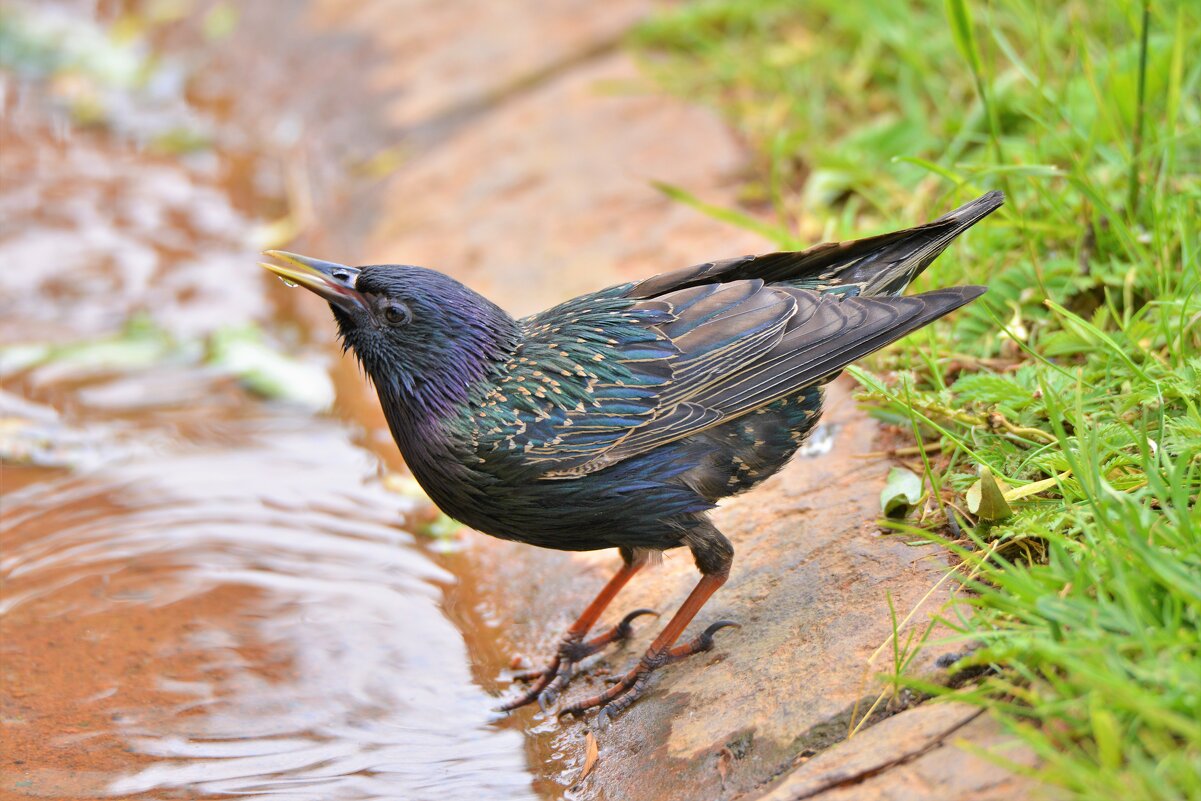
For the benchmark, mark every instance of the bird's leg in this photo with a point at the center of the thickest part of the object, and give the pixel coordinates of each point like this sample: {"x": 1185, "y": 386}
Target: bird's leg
{"x": 573, "y": 648}
{"x": 661, "y": 652}
{"x": 714, "y": 554}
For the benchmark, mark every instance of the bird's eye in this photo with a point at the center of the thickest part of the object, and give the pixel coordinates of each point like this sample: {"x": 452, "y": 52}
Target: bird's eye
{"x": 397, "y": 314}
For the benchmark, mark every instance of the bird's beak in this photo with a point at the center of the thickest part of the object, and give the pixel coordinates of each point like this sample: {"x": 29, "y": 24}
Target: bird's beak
{"x": 331, "y": 281}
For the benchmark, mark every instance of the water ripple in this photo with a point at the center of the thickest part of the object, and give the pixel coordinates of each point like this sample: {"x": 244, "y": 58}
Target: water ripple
{"x": 248, "y": 620}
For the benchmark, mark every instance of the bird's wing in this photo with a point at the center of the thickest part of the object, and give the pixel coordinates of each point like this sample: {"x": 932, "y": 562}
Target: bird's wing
{"x": 882, "y": 264}
{"x": 606, "y": 377}
{"x": 824, "y": 334}
{"x": 595, "y": 369}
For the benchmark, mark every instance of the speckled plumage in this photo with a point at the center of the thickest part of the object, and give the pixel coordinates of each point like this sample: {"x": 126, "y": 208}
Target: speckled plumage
{"x": 614, "y": 419}
{"x": 617, "y": 419}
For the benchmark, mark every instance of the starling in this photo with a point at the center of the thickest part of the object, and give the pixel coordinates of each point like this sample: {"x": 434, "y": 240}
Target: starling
{"x": 618, "y": 419}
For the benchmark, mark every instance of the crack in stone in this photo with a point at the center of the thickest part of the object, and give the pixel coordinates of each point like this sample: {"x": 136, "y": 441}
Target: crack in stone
{"x": 863, "y": 775}
{"x": 444, "y": 124}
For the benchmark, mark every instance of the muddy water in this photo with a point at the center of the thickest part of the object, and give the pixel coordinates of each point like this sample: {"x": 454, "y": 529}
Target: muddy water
{"x": 204, "y": 592}
{"x": 244, "y": 619}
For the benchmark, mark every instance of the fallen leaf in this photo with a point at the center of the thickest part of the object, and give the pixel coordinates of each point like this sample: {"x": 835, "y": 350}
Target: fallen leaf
{"x": 443, "y": 527}
{"x": 404, "y": 485}
{"x": 986, "y": 498}
{"x": 902, "y": 490}
{"x": 591, "y": 755}
{"x": 241, "y": 350}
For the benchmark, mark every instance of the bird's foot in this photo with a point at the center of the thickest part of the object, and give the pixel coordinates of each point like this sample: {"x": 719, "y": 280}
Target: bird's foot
{"x": 573, "y": 649}
{"x": 626, "y": 690}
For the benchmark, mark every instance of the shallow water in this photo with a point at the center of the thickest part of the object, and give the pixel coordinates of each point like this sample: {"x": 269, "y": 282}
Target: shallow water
{"x": 204, "y": 593}
{"x": 239, "y": 616}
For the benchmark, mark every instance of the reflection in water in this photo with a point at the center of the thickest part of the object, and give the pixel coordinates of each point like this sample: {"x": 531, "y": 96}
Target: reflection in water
{"x": 241, "y": 620}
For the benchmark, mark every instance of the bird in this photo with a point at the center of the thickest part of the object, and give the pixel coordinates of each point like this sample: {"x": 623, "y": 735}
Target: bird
{"x": 618, "y": 419}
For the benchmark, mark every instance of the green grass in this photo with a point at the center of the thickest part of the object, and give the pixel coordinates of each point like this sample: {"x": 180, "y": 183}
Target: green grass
{"x": 1078, "y": 376}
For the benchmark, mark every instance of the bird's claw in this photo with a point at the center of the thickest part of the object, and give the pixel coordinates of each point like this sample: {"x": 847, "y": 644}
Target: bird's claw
{"x": 704, "y": 640}
{"x": 603, "y": 718}
{"x": 546, "y": 700}
{"x": 529, "y": 675}
{"x": 629, "y": 688}
{"x": 541, "y": 679}
{"x": 551, "y": 680}
{"x": 623, "y": 630}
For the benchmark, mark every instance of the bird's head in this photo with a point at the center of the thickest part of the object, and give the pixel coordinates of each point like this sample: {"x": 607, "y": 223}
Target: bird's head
{"x": 423, "y": 338}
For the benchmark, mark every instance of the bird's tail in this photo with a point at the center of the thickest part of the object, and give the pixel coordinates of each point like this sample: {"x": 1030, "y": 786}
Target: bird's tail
{"x": 887, "y": 264}
{"x": 877, "y": 265}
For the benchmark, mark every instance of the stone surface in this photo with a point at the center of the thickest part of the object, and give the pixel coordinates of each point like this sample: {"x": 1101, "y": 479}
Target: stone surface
{"x": 451, "y": 57}
{"x": 915, "y": 754}
{"x": 549, "y": 195}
